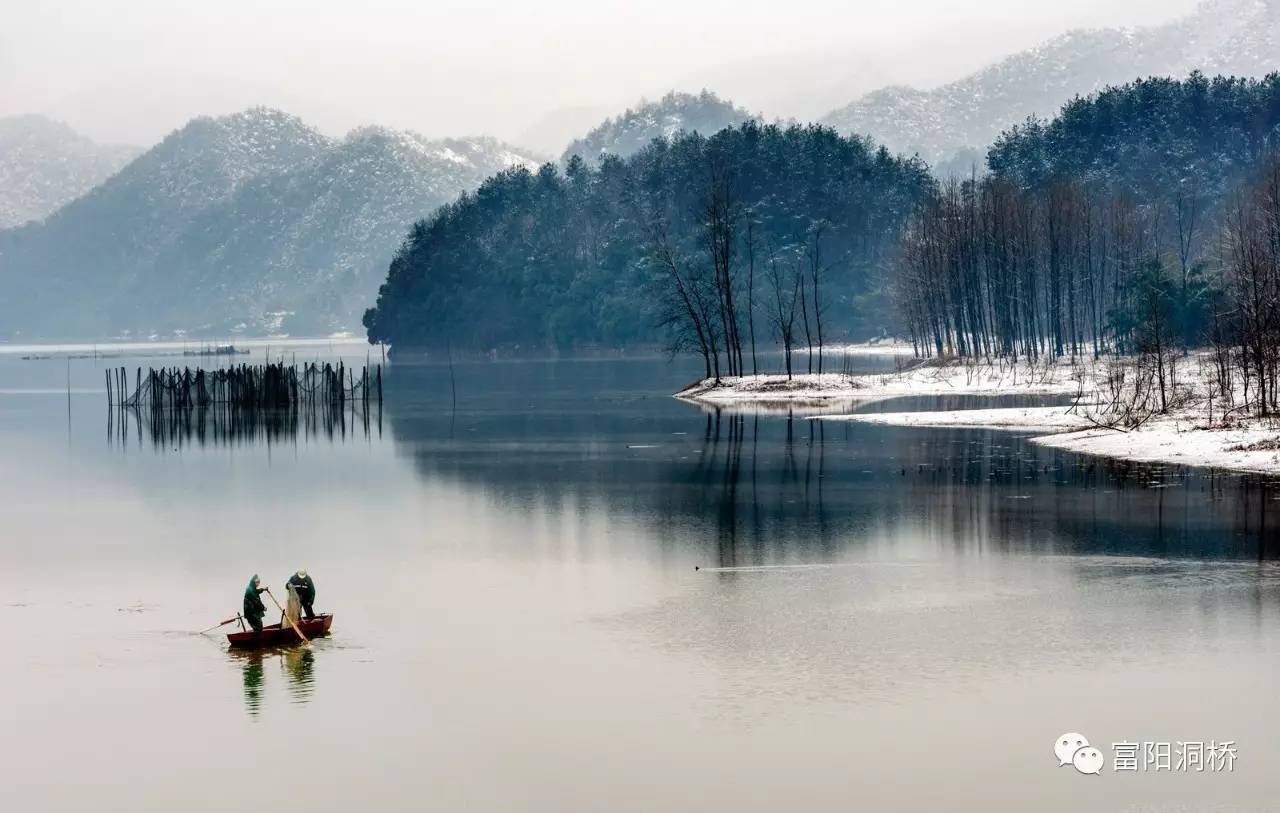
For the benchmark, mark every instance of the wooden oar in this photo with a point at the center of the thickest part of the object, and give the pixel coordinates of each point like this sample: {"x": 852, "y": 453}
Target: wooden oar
{"x": 233, "y": 618}
{"x": 287, "y": 618}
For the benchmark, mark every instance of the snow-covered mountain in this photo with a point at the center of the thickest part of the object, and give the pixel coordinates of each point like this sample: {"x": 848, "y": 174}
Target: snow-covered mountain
{"x": 254, "y": 222}
{"x": 90, "y": 267}
{"x": 44, "y": 164}
{"x": 704, "y": 113}
{"x": 306, "y": 249}
{"x": 1237, "y": 37}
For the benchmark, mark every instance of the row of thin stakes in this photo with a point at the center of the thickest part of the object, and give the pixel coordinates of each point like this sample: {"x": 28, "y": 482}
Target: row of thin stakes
{"x": 247, "y": 386}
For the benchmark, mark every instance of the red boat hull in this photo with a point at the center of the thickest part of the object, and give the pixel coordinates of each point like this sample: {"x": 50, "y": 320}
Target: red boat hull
{"x": 274, "y": 635}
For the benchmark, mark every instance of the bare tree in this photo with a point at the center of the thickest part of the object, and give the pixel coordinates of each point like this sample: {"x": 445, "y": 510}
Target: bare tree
{"x": 720, "y": 216}
{"x": 751, "y": 292}
{"x": 786, "y": 292}
{"x": 1154, "y": 336}
{"x": 801, "y": 281}
{"x": 688, "y": 310}
{"x": 814, "y": 251}
{"x": 1186, "y": 210}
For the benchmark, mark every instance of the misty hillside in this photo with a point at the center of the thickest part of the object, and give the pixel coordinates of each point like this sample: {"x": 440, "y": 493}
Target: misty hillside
{"x": 626, "y": 134}
{"x": 570, "y": 260}
{"x": 252, "y": 222}
{"x": 87, "y": 269}
{"x": 315, "y": 242}
{"x": 44, "y": 164}
{"x": 1240, "y": 37}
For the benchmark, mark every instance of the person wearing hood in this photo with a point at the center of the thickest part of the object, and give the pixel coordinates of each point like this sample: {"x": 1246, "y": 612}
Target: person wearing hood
{"x": 306, "y": 590}
{"x": 254, "y": 609}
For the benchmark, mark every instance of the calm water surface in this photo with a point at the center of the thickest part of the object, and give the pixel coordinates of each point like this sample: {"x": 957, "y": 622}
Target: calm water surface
{"x": 573, "y": 592}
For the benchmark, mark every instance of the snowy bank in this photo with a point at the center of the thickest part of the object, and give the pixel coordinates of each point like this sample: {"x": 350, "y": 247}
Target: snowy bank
{"x": 1190, "y": 432}
{"x": 885, "y": 348}
{"x": 1250, "y": 447}
{"x": 920, "y": 379}
{"x": 783, "y": 407}
{"x": 1169, "y": 439}
{"x": 1036, "y": 419}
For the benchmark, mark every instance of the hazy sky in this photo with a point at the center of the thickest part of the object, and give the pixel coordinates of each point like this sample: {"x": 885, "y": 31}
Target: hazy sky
{"x": 132, "y": 71}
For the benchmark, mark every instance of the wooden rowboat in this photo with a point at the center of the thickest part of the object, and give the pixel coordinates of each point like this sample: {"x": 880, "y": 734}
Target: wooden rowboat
{"x": 275, "y": 635}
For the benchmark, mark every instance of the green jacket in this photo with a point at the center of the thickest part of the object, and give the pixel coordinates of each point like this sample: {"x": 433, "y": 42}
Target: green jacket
{"x": 254, "y": 609}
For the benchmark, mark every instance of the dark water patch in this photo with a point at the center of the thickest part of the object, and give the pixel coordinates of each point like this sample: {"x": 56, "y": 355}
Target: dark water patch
{"x": 776, "y": 488}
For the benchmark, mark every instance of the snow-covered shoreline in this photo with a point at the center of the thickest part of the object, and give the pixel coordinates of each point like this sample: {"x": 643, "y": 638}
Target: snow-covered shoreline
{"x": 919, "y": 379}
{"x": 889, "y": 347}
{"x": 1249, "y": 447}
{"x": 1182, "y": 436}
{"x": 1032, "y": 419}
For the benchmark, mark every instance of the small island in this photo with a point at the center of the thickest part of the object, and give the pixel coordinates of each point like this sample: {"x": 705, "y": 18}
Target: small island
{"x": 1111, "y": 407}
{"x": 1141, "y": 299}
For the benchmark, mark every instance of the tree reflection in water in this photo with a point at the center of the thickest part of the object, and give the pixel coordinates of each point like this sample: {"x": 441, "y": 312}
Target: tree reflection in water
{"x": 769, "y": 484}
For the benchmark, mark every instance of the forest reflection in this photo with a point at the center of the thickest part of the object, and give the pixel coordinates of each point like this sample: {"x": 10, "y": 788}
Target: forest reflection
{"x": 752, "y": 488}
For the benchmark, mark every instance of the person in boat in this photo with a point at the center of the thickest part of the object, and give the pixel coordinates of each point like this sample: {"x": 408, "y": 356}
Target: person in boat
{"x": 306, "y": 590}
{"x": 254, "y": 609}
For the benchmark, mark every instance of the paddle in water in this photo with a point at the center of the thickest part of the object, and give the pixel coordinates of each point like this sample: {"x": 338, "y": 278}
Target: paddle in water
{"x": 230, "y": 620}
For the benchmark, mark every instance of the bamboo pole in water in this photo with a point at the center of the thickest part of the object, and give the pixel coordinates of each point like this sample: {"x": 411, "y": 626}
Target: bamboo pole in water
{"x": 266, "y": 387}
{"x": 287, "y": 618}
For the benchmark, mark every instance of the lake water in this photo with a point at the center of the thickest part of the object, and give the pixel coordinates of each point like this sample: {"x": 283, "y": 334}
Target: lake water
{"x": 572, "y": 592}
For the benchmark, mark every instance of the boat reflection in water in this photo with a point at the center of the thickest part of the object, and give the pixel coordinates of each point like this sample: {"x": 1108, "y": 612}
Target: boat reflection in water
{"x": 252, "y": 670}
{"x": 296, "y": 664}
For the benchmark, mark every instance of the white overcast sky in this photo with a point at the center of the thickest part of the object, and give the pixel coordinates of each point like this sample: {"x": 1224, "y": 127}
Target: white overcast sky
{"x": 132, "y": 71}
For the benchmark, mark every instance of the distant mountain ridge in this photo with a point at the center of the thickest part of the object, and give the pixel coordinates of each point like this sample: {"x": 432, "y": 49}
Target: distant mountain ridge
{"x": 629, "y": 132}
{"x": 319, "y": 237}
{"x": 1231, "y": 37}
{"x": 253, "y": 222}
{"x": 45, "y": 164}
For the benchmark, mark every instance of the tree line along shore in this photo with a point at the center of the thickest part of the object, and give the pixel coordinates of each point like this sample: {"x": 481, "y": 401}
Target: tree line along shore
{"x": 1136, "y": 233}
